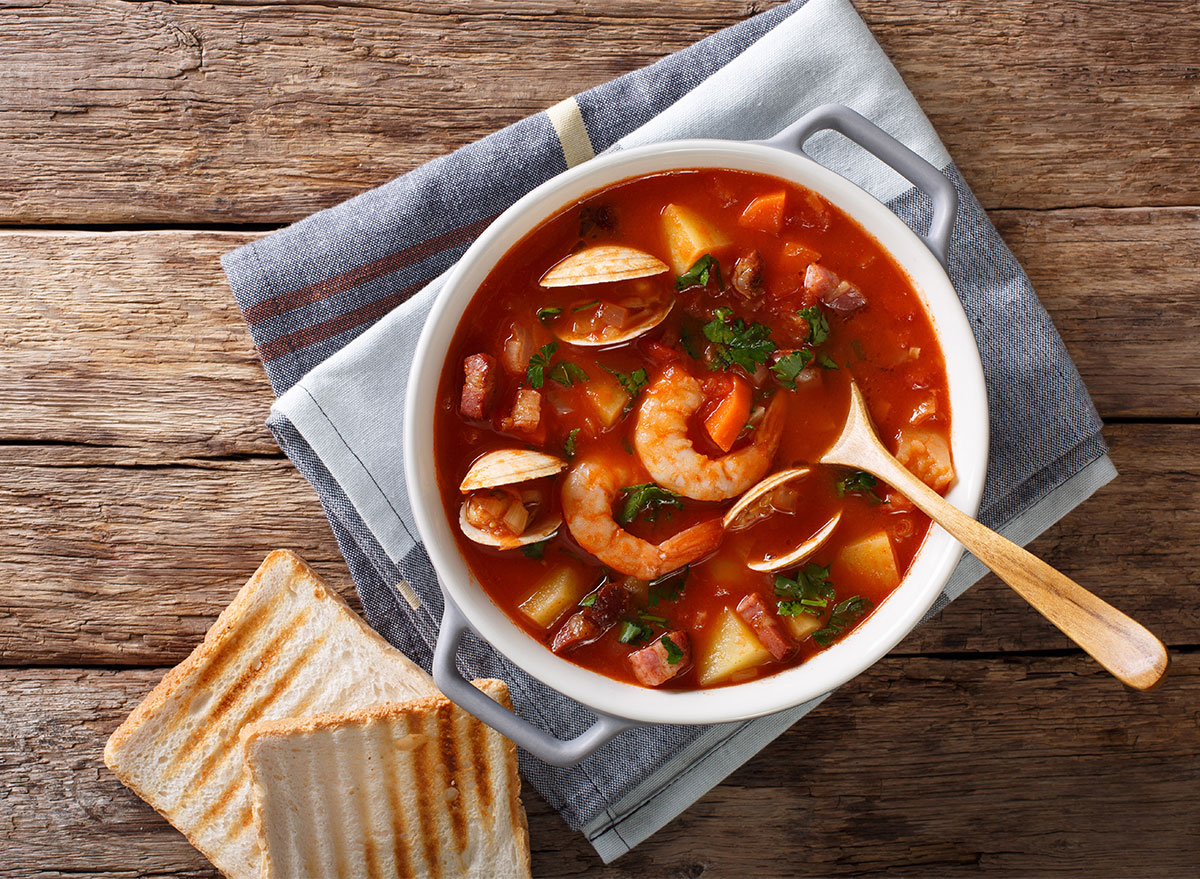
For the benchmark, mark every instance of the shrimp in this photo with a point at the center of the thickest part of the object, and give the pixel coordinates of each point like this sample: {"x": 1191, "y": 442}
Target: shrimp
{"x": 661, "y": 439}
{"x": 588, "y": 494}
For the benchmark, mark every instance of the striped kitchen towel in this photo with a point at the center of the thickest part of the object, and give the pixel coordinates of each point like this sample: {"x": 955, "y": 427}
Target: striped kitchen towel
{"x": 336, "y": 302}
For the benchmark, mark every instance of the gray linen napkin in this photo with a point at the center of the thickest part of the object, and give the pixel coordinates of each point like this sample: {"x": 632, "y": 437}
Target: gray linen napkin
{"x": 336, "y": 303}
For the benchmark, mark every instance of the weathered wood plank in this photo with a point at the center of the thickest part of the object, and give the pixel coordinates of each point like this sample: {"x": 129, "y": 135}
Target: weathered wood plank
{"x": 103, "y": 358}
{"x": 921, "y": 767}
{"x": 129, "y": 565}
{"x": 162, "y": 112}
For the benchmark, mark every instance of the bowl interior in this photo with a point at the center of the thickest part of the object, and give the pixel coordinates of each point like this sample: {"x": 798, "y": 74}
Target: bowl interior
{"x": 889, "y": 623}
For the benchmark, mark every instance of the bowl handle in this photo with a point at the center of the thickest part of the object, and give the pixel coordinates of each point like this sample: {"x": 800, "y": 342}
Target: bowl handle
{"x": 537, "y": 742}
{"x": 888, "y": 150}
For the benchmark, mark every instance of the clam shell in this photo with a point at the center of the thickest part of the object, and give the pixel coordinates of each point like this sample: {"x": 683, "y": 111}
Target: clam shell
{"x": 541, "y": 531}
{"x": 510, "y": 466}
{"x": 602, "y": 264}
{"x": 612, "y": 335}
{"x": 753, "y": 493}
{"x": 804, "y": 550}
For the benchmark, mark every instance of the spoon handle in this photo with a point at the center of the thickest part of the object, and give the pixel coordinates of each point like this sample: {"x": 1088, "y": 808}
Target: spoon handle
{"x": 1122, "y": 645}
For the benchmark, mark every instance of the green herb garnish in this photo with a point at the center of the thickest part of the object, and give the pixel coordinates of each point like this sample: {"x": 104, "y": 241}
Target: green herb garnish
{"x": 548, "y": 312}
{"x": 808, "y": 592}
{"x": 688, "y": 340}
{"x": 567, "y": 373}
{"x": 535, "y": 372}
{"x": 826, "y": 361}
{"x": 535, "y": 551}
{"x": 818, "y": 324}
{"x": 569, "y": 443}
{"x": 585, "y": 306}
{"x": 631, "y": 383}
{"x": 635, "y": 633}
{"x": 844, "y": 614}
{"x": 736, "y": 343}
{"x": 626, "y": 445}
{"x": 588, "y": 600}
{"x": 788, "y": 367}
{"x": 860, "y": 482}
{"x": 651, "y": 618}
{"x": 700, "y": 273}
{"x": 669, "y": 587}
{"x": 674, "y": 653}
{"x": 647, "y": 498}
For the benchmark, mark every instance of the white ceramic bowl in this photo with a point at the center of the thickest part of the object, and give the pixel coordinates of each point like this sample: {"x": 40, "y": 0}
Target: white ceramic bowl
{"x": 890, "y": 622}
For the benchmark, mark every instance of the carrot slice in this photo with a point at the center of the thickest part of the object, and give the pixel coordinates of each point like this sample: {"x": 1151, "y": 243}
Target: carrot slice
{"x": 765, "y": 213}
{"x": 727, "y": 420}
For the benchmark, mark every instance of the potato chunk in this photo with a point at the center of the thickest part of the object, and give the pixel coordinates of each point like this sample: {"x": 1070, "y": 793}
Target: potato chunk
{"x": 802, "y": 625}
{"x": 607, "y": 397}
{"x": 868, "y": 558}
{"x": 689, "y": 236}
{"x": 925, "y": 451}
{"x": 559, "y": 592}
{"x": 732, "y": 649}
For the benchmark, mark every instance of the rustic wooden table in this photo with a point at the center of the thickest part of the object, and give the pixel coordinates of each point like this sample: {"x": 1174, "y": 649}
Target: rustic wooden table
{"x": 142, "y": 140}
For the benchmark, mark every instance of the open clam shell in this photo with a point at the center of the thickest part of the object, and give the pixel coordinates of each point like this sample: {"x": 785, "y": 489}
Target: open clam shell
{"x": 739, "y": 512}
{"x": 508, "y": 467}
{"x": 612, "y": 335}
{"x": 602, "y": 264}
{"x": 540, "y": 531}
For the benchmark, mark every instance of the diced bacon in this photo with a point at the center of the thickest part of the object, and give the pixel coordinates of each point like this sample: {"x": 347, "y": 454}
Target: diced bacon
{"x": 747, "y": 274}
{"x": 589, "y": 623}
{"x": 754, "y": 611}
{"x": 526, "y": 412}
{"x": 652, "y": 665}
{"x": 517, "y": 349}
{"x": 845, "y": 299}
{"x": 479, "y": 386}
{"x": 819, "y": 281}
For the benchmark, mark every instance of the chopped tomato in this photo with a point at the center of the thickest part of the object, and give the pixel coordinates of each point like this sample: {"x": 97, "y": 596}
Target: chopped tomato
{"x": 726, "y": 421}
{"x": 765, "y": 213}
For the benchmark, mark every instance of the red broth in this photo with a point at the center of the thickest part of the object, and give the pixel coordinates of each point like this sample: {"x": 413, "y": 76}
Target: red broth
{"x": 878, "y": 333}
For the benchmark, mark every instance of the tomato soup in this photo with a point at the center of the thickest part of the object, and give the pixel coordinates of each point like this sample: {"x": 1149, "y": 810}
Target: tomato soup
{"x": 631, "y": 412}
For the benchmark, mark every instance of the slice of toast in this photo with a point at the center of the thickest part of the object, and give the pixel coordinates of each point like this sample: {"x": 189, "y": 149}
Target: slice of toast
{"x": 286, "y": 646}
{"x": 420, "y": 789}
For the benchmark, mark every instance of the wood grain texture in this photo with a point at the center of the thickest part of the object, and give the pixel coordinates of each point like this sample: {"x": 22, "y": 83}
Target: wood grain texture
{"x": 105, "y": 358}
{"x": 921, "y": 767}
{"x": 129, "y": 565}
{"x": 121, "y": 112}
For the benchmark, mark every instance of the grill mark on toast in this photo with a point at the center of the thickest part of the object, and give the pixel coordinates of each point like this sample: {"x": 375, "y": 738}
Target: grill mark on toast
{"x": 452, "y": 762}
{"x": 232, "y": 695}
{"x": 218, "y": 758}
{"x": 480, "y": 761}
{"x": 391, "y": 772}
{"x": 362, "y": 779}
{"x": 423, "y": 781}
{"x": 231, "y": 643}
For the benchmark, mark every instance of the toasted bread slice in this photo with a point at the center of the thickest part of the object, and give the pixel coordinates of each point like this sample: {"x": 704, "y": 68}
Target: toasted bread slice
{"x": 420, "y": 789}
{"x": 287, "y": 646}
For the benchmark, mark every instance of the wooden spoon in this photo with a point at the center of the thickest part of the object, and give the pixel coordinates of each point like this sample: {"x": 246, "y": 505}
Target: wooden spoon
{"x": 1123, "y": 646}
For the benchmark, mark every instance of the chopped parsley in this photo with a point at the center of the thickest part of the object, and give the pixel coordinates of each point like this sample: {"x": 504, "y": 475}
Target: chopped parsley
{"x": 631, "y": 382}
{"x": 844, "y": 614}
{"x": 736, "y": 343}
{"x": 585, "y": 306}
{"x": 858, "y": 481}
{"x": 674, "y": 653}
{"x": 808, "y": 592}
{"x": 635, "y": 633}
{"x": 826, "y": 361}
{"x": 669, "y": 587}
{"x": 702, "y": 270}
{"x": 688, "y": 340}
{"x": 535, "y": 372}
{"x": 625, "y": 444}
{"x": 651, "y": 618}
{"x": 588, "y": 600}
{"x": 569, "y": 443}
{"x": 567, "y": 373}
{"x": 789, "y": 366}
{"x": 818, "y": 324}
{"x": 548, "y": 312}
{"x": 535, "y": 551}
{"x": 647, "y": 498}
